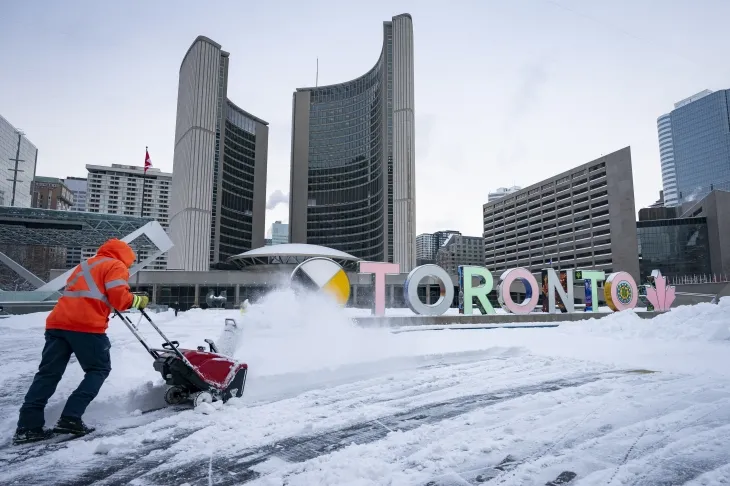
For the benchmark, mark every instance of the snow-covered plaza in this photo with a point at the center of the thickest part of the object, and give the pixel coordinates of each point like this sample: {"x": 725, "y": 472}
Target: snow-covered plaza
{"x": 615, "y": 400}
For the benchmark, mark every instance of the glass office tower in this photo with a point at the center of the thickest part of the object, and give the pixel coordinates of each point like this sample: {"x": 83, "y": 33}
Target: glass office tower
{"x": 16, "y": 177}
{"x": 678, "y": 247}
{"x": 694, "y": 142}
{"x": 353, "y": 158}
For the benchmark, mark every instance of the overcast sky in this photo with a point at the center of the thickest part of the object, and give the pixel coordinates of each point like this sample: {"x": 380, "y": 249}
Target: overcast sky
{"x": 507, "y": 92}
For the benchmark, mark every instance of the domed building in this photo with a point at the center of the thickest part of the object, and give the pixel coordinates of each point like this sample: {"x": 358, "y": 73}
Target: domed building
{"x": 285, "y": 257}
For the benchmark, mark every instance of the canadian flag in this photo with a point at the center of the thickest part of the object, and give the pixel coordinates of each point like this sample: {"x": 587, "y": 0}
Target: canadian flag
{"x": 147, "y": 160}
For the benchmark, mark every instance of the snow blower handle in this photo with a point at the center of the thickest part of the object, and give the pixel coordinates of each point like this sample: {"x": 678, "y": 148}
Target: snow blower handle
{"x": 132, "y": 328}
{"x": 167, "y": 341}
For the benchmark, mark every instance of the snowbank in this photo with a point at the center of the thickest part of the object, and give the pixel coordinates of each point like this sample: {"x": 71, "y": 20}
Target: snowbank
{"x": 700, "y": 322}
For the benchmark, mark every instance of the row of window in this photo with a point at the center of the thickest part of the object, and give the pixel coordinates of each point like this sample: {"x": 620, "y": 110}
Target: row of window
{"x": 579, "y": 213}
{"x": 546, "y": 200}
{"x": 577, "y": 179}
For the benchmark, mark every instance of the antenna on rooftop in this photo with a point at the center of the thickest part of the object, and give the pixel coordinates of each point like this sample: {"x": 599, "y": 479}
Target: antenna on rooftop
{"x": 316, "y": 79}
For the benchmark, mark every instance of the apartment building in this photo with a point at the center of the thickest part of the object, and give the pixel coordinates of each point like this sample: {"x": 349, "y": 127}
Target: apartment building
{"x": 460, "y": 250}
{"x": 51, "y": 193}
{"x": 118, "y": 190}
{"x": 583, "y": 218}
{"x": 428, "y": 244}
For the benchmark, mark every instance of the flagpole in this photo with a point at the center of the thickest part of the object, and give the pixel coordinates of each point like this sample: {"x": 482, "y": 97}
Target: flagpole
{"x": 141, "y": 212}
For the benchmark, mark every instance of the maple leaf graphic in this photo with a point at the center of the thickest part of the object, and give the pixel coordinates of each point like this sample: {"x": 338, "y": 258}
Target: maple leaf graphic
{"x": 660, "y": 295}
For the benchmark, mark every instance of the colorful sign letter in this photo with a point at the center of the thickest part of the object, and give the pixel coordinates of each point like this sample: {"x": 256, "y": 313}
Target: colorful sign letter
{"x": 620, "y": 289}
{"x": 591, "y": 279}
{"x": 620, "y": 292}
{"x": 480, "y": 292}
{"x": 410, "y": 290}
{"x": 659, "y": 294}
{"x": 380, "y": 270}
{"x": 555, "y": 286}
{"x": 460, "y": 277}
{"x": 532, "y": 294}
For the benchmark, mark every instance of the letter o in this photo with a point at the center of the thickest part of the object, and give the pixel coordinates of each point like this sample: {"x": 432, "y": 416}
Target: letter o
{"x": 532, "y": 295}
{"x": 620, "y": 292}
{"x": 410, "y": 290}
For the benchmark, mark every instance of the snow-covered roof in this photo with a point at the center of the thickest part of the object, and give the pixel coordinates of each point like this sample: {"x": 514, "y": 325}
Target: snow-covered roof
{"x": 289, "y": 253}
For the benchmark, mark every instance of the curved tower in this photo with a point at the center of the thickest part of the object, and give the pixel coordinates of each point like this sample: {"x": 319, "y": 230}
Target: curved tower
{"x": 353, "y": 158}
{"x": 666, "y": 154}
{"x": 218, "y": 193}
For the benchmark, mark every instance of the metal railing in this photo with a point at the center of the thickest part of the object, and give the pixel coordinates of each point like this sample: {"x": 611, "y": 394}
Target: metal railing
{"x": 698, "y": 279}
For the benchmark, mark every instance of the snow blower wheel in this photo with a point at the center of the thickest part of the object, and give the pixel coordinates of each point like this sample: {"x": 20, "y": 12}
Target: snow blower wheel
{"x": 175, "y": 395}
{"x": 201, "y": 397}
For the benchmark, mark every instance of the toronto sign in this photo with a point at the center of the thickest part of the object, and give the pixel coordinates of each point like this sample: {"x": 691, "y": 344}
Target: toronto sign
{"x": 620, "y": 290}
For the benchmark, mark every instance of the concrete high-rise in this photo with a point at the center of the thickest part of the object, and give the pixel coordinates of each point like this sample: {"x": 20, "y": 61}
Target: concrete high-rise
{"x": 16, "y": 176}
{"x": 583, "y": 218}
{"x": 353, "y": 158}
{"x": 694, "y": 145}
{"x": 218, "y": 200}
{"x": 118, "y": 190}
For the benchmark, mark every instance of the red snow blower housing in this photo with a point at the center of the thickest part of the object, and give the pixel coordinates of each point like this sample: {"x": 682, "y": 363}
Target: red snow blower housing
{"x": 196, "y": 375}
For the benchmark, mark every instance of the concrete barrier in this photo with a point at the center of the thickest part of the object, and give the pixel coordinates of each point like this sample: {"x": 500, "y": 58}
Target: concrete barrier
{"x": 493, "y": 319}
{"x": 19, "y": 307}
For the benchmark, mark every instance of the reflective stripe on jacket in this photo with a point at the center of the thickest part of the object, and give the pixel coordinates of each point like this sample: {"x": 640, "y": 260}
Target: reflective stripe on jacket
{"x": 95, "y": 288}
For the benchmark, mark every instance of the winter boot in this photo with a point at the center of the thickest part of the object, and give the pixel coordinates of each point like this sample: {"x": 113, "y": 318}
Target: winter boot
{"x": 26, "y": 436}
{"x": 68, "y": 425}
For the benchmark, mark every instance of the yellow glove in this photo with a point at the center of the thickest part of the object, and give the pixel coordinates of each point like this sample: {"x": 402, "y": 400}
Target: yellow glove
{"x": 140, "y": 301}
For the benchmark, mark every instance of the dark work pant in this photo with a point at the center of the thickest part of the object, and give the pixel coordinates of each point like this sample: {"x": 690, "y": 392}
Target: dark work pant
{"x": 92, "y": 353}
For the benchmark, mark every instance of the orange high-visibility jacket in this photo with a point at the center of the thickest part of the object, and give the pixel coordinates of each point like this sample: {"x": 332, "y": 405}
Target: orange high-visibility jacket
{"x": 94, "y": 289}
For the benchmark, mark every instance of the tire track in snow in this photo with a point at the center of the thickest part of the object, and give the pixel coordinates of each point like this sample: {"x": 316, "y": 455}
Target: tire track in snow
{"x": 600, "y": 450}
{"x": 399, "y": 457}
{"x": 241, "y": 468}
{"x": 146, "y": 464}
{"x": 237, "y": 468}
{"x": 425, "y": 382}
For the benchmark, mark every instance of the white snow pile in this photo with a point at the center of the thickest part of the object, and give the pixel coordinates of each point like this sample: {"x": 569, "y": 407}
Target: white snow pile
{"x": 700, "y": 322}
{"x": 558, "y": 399}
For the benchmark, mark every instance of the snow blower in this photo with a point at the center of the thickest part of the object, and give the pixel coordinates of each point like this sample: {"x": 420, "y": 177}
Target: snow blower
{"x": 193, "y": 375}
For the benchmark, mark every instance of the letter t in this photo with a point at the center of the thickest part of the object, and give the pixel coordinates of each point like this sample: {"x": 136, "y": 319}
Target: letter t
{"x": 380, "y": 270}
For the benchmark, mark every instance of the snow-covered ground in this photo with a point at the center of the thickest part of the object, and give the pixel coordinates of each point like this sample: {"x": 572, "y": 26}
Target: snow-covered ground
{"x": 616, "y": 400}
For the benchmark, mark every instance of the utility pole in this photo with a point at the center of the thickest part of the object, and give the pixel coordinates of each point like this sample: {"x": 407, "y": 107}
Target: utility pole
{"x": 15, "y": 171}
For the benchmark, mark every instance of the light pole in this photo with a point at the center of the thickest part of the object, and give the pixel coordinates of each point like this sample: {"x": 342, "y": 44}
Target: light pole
{"x": 141, "y": 211}
{"x": 15, "y": 171}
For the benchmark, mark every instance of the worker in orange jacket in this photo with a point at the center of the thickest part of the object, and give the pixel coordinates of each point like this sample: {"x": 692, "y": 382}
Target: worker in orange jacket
{"x": 77, "y": 325}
